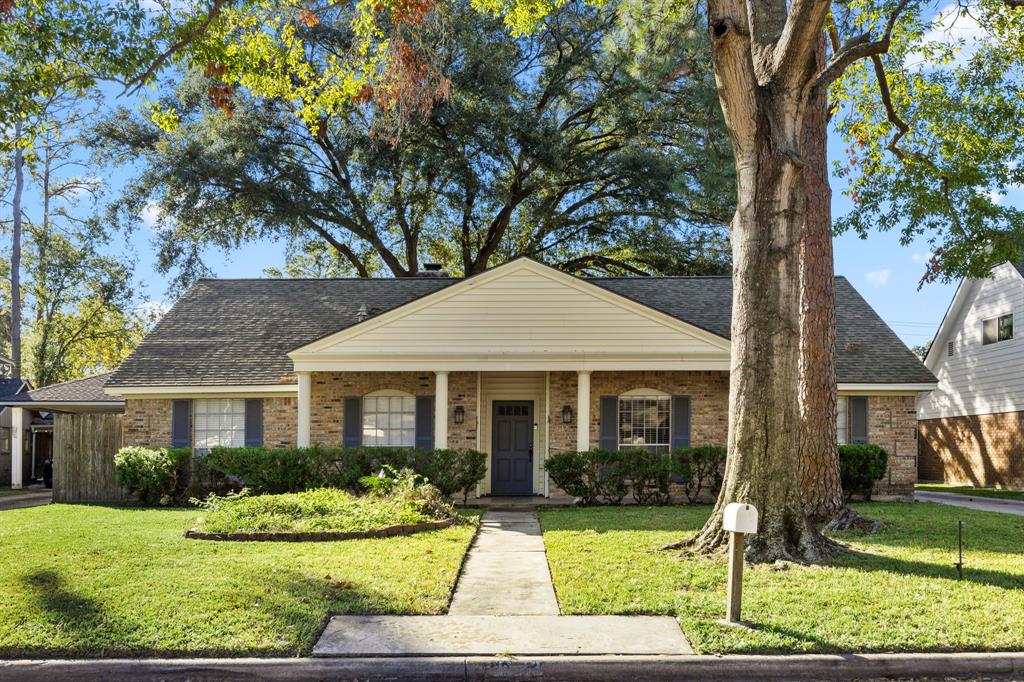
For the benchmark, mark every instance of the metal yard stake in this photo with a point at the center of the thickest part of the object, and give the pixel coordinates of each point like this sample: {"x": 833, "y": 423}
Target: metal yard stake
{"x": 739, "y": 519}
{"x": 960, "y": 542}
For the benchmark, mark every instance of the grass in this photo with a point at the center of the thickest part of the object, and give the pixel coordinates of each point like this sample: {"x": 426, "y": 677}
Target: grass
{"x": 898, "y": 591}
{"x": 104, "y": 581}
{"x": 326, "y": 509}
{"x": 998, "y": 493}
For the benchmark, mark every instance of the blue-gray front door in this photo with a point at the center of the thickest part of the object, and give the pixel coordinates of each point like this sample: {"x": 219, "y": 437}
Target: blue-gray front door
{"x": 512, "y": 447}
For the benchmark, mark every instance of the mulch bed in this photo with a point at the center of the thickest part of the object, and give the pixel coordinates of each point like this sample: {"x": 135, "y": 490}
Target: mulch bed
{"x": 323, "y": 536}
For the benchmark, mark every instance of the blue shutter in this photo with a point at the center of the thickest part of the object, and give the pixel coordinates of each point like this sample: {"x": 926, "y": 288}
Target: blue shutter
{"x": 425, "y": 422}
{"x": 858, "y": 420}
{"x": 680, "y": 421}
{"x": 352, "y": 429}
{"x": 181, "y": 423}
{"x": 609, "y": 430}
{"x": 253, "y": 422}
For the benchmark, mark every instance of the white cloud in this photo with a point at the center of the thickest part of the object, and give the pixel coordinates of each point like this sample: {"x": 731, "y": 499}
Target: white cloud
{"x": 878, "y": 278}
{"x": 150, "y": 215}
{"x": 995, "y": 196}
{"x": 921, "y": 256}
{"x": 954, "y": 27}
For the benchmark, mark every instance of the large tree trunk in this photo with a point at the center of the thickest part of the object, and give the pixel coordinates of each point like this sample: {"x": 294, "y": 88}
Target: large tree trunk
{"x": 763, "y": 95}
{"x": 19, "y": 188}
{"x": 819, "y": 455}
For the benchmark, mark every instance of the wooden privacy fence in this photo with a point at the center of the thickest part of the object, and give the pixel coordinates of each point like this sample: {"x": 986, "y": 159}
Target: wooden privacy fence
{"x": 83, "y": 457}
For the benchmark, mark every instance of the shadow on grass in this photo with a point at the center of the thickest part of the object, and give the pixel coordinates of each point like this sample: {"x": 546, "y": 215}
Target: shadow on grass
{"x": 287, "y": 623}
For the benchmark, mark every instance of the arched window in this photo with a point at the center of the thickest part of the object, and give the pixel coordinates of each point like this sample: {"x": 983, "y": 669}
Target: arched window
{"x": 645, "y": 420}
{"x": 389, "y": 419}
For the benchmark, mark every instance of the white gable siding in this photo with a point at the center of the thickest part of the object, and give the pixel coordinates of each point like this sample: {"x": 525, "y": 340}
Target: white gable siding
{"x": 525, "y": 311}
{"x": 980, "y": 379}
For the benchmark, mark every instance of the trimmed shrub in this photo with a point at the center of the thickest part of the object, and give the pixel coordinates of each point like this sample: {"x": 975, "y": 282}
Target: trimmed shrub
{"x": 649, "y": 476}
{"x": 153, "y": 475}
{"x": 860, "y": 466}
{"x": 592, "y": 475}
{"x": 608, "y": 473}
{"x": 570, "y": 472}
{"x": 283, "y": 470}
{"x": 699, "y": 468}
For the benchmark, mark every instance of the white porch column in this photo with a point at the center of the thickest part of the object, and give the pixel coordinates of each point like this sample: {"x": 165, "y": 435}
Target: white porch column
{"x": 305, "y": 409}
{"x": 17, "y": 445}
{"x": 441, "y": 410}
{"x": 583, "y": 410}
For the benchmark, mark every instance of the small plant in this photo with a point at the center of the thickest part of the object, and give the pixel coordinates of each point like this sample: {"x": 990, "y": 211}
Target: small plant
{"x": 700, "y": 468}
{"x": 151, "y": 474}
{"x": 649, "y": 475}
{"x": 570, "y": 471}
{"x": 860, "y": 466}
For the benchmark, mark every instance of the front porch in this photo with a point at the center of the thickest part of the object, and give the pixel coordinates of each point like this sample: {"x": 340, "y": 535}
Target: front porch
{"x": 517, "y": 418}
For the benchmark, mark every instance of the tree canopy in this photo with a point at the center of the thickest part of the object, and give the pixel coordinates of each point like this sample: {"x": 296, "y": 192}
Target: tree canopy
{"x": 594, "y": 143}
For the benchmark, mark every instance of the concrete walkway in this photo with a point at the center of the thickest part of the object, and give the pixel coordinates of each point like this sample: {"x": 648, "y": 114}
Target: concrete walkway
{"x": 970, "y": 502}
{"x": 506, "y": 571}
{"x": 31, "y": 498}
{"x": 504, "y": 604}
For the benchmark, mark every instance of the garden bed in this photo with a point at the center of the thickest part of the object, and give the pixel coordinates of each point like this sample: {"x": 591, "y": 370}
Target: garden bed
{"x": 324, "y": 536}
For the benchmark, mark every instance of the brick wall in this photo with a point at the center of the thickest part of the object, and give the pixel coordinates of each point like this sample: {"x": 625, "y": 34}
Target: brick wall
{"x": 280, "y": 422}
{"x": 708, "y": 391}
{"x": 329, "y": 390}
{"x": 982, "y": 450}
{"x": 892, "y": 424}
{"x": 146, "y": 422}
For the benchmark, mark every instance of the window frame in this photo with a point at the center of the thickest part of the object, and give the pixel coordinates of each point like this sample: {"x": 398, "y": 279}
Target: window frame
{"x": 237, "y": 411}
{"x": 382, "y": 436}
{"x": 644, "y": 394}
{"x": 1001, "y": 327}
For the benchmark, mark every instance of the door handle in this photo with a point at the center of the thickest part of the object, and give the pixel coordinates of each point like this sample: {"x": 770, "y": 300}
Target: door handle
{"x": 531, "y": 454}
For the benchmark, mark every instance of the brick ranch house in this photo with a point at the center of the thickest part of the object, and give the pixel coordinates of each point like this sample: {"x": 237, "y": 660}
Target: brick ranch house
{"x": 518, "y": 362}
{"x": 972, "y": 424}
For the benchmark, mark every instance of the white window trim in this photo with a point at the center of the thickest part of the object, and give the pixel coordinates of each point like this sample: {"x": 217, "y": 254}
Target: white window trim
{"x": 387, "y": 431}
{"x": 235, "y": 428}
{"x": 996, "y": 318}
{"x": 640, "y": 393}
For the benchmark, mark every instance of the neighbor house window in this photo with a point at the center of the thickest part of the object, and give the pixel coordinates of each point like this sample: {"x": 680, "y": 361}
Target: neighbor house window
{"x": 389, "y": 419}
{"x": 644, "y": 421}
{"x": 997, "y": 329}
{"x": 218, "y": 421}
{"x": 852, "y": 419}
{"x": 843, "y": 420}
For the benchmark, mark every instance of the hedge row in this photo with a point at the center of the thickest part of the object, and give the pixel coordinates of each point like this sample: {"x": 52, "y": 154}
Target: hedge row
{"x": 173, "y": 475}
{"x": 607, "y": 476}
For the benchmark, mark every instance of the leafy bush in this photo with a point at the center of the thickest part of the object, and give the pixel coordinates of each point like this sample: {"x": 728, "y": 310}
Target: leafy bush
{"x": 649, "y": 475}
{"x": 608, "y": 472}
{"x": 283, "y": 470}
{"x": 395, "y": 497}
{"x": 860, "y": 466}
{"x": 153, "y": 475}
{"x": 699, "y": 468}
{"x": 570, "y": 471}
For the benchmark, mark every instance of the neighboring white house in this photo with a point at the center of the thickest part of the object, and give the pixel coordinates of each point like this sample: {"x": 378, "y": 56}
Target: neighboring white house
{"x": 972, "y": 425}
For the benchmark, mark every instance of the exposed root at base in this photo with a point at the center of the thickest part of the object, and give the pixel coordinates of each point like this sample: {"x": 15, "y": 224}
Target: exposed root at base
{"x": 812, "y": 548}
{"x": 848, "y": 519}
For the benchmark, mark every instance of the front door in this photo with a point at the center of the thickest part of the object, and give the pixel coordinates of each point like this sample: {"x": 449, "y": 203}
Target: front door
{"x": 512, "y": 448}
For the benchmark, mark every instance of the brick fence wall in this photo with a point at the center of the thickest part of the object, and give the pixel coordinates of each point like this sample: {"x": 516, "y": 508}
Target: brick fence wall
{"x": 892, "y": 424}
{"x": 983, "y": 450}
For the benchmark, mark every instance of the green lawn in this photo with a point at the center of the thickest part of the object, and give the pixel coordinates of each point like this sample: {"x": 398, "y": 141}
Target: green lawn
{"x": 898, "y": 592}
{"x": 104, "y": 581}
{"x": 997, "y": 493}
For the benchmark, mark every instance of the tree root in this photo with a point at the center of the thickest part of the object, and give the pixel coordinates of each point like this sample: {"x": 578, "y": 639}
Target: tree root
{"x": 813, "y": 547}
{"x": 848, "y": 519}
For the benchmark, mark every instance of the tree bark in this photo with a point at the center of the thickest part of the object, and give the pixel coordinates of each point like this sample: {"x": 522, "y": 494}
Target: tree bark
{"x": 819, "y": 453}
{"x": 19, "y": 188}
{"x": 762, "y": 83}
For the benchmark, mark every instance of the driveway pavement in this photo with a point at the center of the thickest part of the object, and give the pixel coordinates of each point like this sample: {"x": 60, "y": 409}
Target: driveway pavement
{"x": 969, "y": 502}
{"x": 31, "y": 498}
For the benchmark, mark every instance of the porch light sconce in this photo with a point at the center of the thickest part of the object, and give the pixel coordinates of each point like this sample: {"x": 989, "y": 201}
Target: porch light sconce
{"x": 460, "y": 414}
{"x": 567, "y": 415}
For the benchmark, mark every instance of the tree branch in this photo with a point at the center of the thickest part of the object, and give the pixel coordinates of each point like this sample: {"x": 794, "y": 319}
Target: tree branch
{"x": 890, "y": 111}
{"x": 583, "y": 262}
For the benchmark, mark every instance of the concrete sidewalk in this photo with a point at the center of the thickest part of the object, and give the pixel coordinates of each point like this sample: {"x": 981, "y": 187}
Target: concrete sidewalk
{"x": 970, "y": 502}
{"x": 506, "y": 571}
{"x": 973, "y": 666}
{"x": 504, "y": 603}
{"x": 31, "y": 498}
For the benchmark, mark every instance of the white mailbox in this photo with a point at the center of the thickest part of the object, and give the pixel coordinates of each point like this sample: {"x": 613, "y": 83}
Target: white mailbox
{"x": 740, "y": 518}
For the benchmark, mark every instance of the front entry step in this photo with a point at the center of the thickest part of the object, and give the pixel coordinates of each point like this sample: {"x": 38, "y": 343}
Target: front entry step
{"x": 348, "y": 636}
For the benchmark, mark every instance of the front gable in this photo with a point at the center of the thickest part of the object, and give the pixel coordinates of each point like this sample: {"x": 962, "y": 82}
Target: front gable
{"x": 521, "y": 315}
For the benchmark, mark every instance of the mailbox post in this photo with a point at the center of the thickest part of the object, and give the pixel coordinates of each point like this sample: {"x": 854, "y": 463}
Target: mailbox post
{"x": 739, "y": 519}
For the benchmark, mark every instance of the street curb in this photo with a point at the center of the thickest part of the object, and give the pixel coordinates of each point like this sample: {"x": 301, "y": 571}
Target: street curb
{"x": 556, "y": 668}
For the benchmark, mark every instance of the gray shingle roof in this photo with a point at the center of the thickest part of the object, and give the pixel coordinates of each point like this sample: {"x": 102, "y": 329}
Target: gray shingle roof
{"x": 10, "y": 387}
{"x": 235, "y": 332}
{"x": 89, "y": 389}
